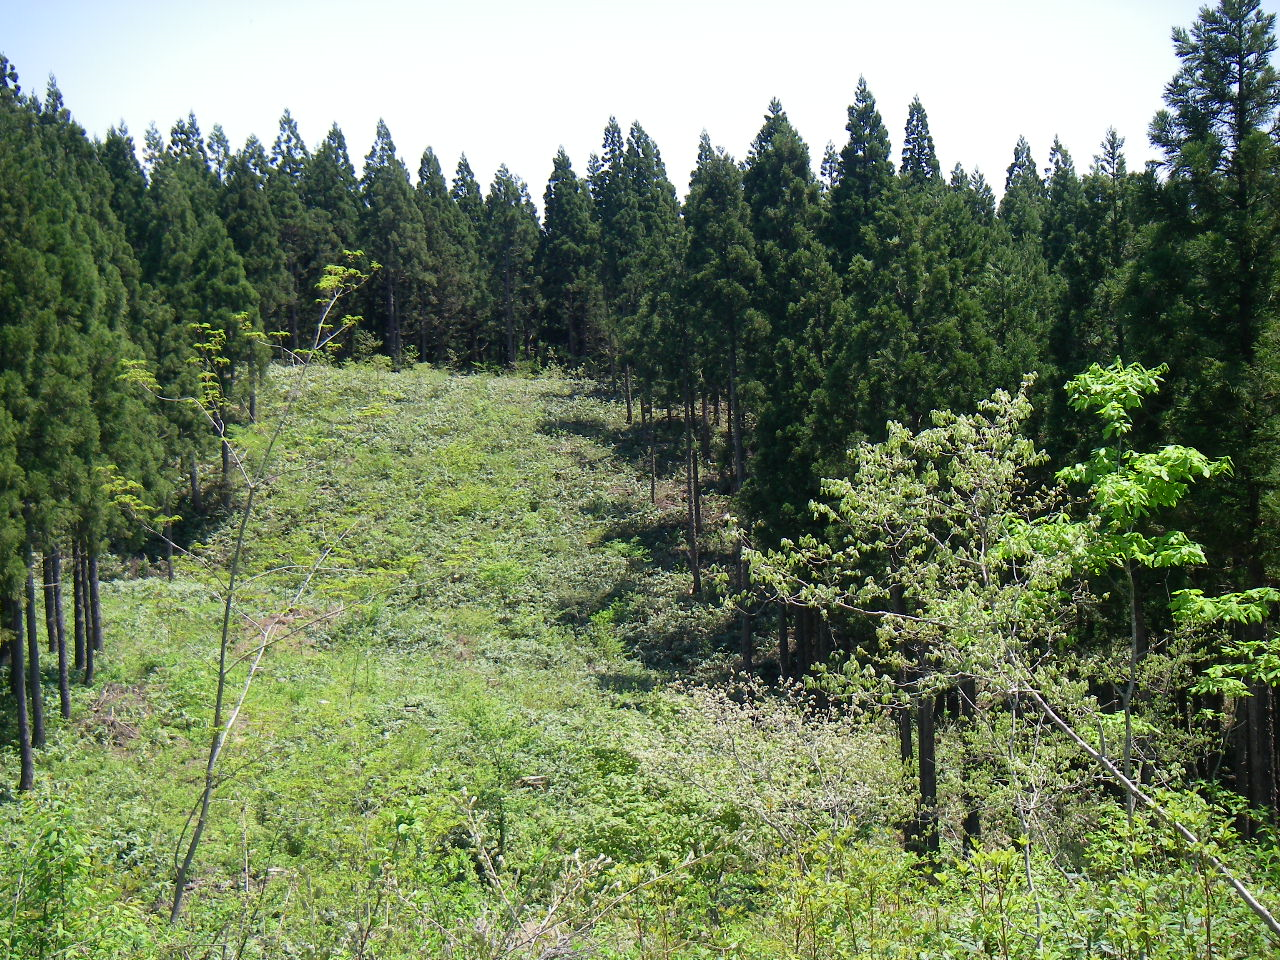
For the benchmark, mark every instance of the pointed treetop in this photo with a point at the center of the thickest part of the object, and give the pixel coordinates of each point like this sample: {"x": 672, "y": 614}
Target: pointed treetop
{"x": 219, "y": 151}
{"x": 1110, "y": 162}
{"x": 186, "y": 142}
{"x": 919, "y": 158}
{"x": 289, "y": 152}
{"x": 152, "y": 146}
{"x": 1060, "y": 163}
{"x": 1022, "y": 170}
{"x": 383, "y": 152}
{"x": 53, "y": 107}
{"x": 431, "y": 182}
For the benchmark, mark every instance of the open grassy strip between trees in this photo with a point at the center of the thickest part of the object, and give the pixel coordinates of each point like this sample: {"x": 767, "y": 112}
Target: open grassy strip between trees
{"x": 455, "y": 748}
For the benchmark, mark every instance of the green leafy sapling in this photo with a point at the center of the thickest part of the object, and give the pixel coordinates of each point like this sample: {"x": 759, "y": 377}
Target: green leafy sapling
{"x": 1126, "y": 487}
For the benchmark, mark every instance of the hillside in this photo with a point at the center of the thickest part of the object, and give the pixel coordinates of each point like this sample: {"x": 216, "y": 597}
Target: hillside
{"x": 490, "y": 722}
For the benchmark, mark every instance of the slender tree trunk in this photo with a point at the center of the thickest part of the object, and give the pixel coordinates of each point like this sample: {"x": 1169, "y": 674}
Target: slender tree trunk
{"x": 168, "y": 551}
{"x": 95, "y": 603}
{"x": 193, "y": 475}
{"x": 393, "y": 319}
{"x": 613, "y": 367}
{"x": 508, "y": 305}
{"x": 735, "y": 418}
{"x": 79, "y": 605}
{"x": 746, "y": 642}
{"x": 704, "y": 432}
{"x": 90, "y": 649}
{"x": 927, "y": 822}
{"x": 905, "y": 733}
{"x": 18, "y": 682}
{"x": 33, "y": 650}
{"x": 56, "y": 624}
{"x": 967, "y": 710}
{"x": 651, "y": 433}
{"x": 46, "y": 573}
{"x": 691, "y": 491}
{"x": 626, "y": 386}
{"x": 226, "y": 465}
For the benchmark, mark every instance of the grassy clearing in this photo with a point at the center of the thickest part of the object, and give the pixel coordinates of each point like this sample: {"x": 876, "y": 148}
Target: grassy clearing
{"x": 456, "y": 750}
{"x": 462, "y": 737}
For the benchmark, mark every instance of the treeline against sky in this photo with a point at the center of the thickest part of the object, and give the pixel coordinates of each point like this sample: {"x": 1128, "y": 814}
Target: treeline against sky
{"x": 778, "y": 314}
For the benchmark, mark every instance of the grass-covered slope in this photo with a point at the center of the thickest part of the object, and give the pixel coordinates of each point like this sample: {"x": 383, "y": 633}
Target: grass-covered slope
{"x": 453, "y": 746}
{"x": 449, "y": 746}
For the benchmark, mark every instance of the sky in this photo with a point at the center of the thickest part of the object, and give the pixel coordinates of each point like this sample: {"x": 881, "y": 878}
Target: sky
{"x": 506, "y": 81}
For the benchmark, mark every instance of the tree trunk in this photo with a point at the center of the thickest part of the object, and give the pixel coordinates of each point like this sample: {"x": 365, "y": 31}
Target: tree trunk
{"x": 46, "y": 572}
{"x": 56, "y": 625}
{"x": 691, "y": 492}
{"x": 33, "y": 650}
{"x": 193, "y": 475}
{"x": 90, "y": 647}
{"x": 226, "y": 466}
{"x": 18, "y": 681}
{"x": 168, "y": 551}
{"x": 967, "y": 711}
{"x": 927, "y": 818}
{"x": 79, "y": 605}
{"x": 95, "y": 605}
{"x": 735, "y": 418}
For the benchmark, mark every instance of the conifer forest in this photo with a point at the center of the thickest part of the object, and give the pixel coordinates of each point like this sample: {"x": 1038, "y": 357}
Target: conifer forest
{"x": 840, "y": 557}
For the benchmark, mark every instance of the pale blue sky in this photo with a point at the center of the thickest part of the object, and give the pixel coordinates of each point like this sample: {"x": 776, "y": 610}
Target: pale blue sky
{"x": 509, "y": 81}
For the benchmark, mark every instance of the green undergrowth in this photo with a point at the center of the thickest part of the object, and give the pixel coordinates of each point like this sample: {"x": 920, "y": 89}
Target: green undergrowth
{"x": 456, "y": 744}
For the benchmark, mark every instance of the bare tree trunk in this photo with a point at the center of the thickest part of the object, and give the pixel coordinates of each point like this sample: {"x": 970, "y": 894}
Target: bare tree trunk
{"x": 704, "y": 432}
{"x": 33, "y": 649}
{"x": 78, "y": 604}
{"x": 46, "y": 572}
{"x": 193, "y": 475}
{"x": 691, "y": 493}
{"x": 86, "y": 596}
{"x": 95, "y": 603}
{"x": 626, "y": 386}
{"x": 18, "y": 682}
{"x": 53, "y": 622}
{"x": 53, "y": 599}
{"x": 927, "y": 817}
{"x": 226, "y": 465}
{"x": 735, "y": 419}
{"x": 168, "y": 551}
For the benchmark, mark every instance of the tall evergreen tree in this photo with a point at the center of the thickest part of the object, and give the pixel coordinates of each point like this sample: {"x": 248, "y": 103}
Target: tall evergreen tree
{"x": 394, "y": 236}
{"x": 569, "y": 263}
{"x": 1022, "y": 206}
{"x": 511, "y": 235}
{"x": 254, "y": 230}
{"x": 919, "y": 158}
{"x": 865, "y": 176}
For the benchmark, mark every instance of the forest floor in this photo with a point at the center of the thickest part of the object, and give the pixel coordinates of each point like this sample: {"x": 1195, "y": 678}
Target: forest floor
{"x": 492, "y": 724}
